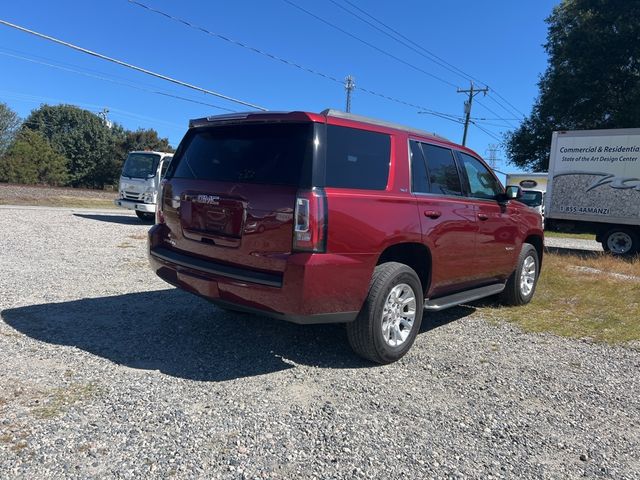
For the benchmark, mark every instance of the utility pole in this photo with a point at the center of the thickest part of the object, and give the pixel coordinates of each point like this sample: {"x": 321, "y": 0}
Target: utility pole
{"x": 467, "y": 107}
{"x": 104, "y": 114}
{"x": 493, "y": 158}
{"x": 349, "y": 85}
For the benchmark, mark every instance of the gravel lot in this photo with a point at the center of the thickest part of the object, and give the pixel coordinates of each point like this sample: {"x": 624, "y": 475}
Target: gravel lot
{"x": 573, "y": 244}
{"x": 109, "y": 372}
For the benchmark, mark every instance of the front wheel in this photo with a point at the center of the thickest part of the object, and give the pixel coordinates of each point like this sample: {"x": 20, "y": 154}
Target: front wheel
{"x": 145, "y": 216}
{"x": 522, "y": 282}
{"x": 391, "y": 315}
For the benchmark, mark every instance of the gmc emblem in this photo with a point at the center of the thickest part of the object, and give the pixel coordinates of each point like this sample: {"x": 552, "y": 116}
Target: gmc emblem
{"x": 208, "y": 199}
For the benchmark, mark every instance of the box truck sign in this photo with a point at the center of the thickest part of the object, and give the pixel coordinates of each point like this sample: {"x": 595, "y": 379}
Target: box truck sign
{"x": 596, "y": 173}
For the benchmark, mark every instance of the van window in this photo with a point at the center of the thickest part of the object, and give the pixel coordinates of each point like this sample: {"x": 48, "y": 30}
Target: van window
{"x": 532, "y": 198}
{"x": 165, "y": 164}
{"x": 357, "y": 158}
{"x": 278, "y": 154}
{"x": 443, "y": 173}
{"x": 140, "y": 165}
{"x": 482, "y": 184}
{"x": 419, "y": 181}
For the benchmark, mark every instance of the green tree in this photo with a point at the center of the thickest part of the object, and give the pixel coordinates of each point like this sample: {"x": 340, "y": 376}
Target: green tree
{"x": 145, "y": 139}
{"x": 81, "y": 137}
{"x": 9, "y": 123}
{"x": 31, "y": 159}
{"x": 592, "y": 80}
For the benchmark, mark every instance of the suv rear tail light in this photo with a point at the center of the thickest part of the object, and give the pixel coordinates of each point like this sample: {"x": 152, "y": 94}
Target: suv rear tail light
{"x": 310, "y": 221}
{"x": 160, "y": 202}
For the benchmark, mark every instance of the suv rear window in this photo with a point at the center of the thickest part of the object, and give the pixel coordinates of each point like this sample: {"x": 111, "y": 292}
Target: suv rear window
{"x": 277, "y": 154}
{"x": 357, "y": 158}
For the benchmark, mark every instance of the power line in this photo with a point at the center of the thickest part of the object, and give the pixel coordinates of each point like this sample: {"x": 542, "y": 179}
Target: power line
{"x": 403, "y": 40}
{"x": 510, "y": 104}
{"x": 501, "y": 105}
{"x": 106, "y": 79}
{"x": 236, "y": 42}
{"x": 370, "y": 45}
{"x": 431, "y": 56}
{"x": 285, "y": 61}
{"x": 488, "y": 132}
{"x": 131, "y": 66}
{"x": 495, "y": 113}
{"x": 88, "y": 106}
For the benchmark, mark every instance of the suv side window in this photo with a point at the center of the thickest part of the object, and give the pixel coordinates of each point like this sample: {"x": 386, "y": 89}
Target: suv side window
{"x": 419, "y": 180}
{"x": 443, "y": 173}
{"x": 482, "y": 184}
{"x": 357, "y": 158}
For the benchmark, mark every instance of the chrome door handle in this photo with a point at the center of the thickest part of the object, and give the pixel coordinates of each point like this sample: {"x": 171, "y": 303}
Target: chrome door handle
{"x": 483, "y": 216}
{"x": 432, "y": 214}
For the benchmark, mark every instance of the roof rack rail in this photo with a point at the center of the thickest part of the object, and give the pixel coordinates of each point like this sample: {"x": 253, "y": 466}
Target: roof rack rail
{"x": 330, "y": 112}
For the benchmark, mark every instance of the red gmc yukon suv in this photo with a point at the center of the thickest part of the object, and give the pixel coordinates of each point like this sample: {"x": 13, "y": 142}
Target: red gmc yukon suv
{"x": 334, "y": 217}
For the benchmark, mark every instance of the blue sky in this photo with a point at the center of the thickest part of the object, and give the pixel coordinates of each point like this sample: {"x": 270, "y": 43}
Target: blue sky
{"x": 497, "y": 42}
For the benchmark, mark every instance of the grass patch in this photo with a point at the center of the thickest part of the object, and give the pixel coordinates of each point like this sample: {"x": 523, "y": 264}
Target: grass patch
{"x": 60, "y": 201}
{"x": 576, "y": 303}
{"x": 62, "y": 398}
{"x": 579, "y": 236}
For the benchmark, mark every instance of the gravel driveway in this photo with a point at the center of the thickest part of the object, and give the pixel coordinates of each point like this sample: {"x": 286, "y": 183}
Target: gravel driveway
{"x": 109, "y": 372}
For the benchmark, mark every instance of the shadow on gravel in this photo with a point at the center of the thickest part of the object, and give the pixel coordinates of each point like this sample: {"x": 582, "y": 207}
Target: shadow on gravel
{"x": 433, "y": 320}
{"x": 121, "y": 219}
{"x": 184, "y": 336}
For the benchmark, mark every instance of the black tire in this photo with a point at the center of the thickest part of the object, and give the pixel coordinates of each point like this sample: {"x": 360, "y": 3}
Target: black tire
{"x": 621, "y": 241}
{"x": 515, "y": 293}
{"x": 365, "y": 334}
{"x": 145, "y": 216}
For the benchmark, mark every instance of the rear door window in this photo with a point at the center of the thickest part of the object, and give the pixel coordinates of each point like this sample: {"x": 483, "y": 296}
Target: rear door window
{"x": 357, "y": 158}
{"x": 278, "y": 154}
{"x": 443, "y": 173}
{"x": 419, "y": 180}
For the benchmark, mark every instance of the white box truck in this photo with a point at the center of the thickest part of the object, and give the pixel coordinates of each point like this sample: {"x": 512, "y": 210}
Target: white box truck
{"x": 139, "y": 181}
{"x": 594, "y": 186}
{"x": 534, "y": 188}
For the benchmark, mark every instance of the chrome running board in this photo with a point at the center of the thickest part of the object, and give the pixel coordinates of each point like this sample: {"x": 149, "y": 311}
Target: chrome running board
{"x": 463, "y": 297}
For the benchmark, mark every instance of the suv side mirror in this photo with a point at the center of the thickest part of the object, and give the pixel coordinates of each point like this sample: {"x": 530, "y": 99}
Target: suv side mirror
{"x": 513, "y": 192}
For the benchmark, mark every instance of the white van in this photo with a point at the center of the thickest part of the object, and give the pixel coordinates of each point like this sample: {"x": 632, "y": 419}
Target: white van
{"x": 594, "y": 186}
{"x": 139, "y": 182}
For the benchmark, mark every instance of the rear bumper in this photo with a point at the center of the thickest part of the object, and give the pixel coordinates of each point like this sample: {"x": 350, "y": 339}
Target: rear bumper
{"x": 131, "y": 205}
{"x": 314, "y": 288}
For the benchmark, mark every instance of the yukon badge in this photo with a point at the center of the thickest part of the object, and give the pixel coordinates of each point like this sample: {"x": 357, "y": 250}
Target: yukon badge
{"x": 208, "y": 199}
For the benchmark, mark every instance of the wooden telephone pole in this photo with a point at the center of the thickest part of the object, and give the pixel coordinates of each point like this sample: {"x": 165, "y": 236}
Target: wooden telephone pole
{"x": 467, "y": 107}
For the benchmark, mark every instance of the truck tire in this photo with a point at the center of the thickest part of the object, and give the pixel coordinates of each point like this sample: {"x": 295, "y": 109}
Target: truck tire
{"x": 621, "y": 241}
{"x": 145, "y": 217}
{"x": 522, "y": 282}
{"x": 390, "y": 318}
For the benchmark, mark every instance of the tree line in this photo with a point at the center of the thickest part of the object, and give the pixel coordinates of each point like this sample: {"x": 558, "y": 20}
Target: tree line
{"x": 63, "y": 145}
